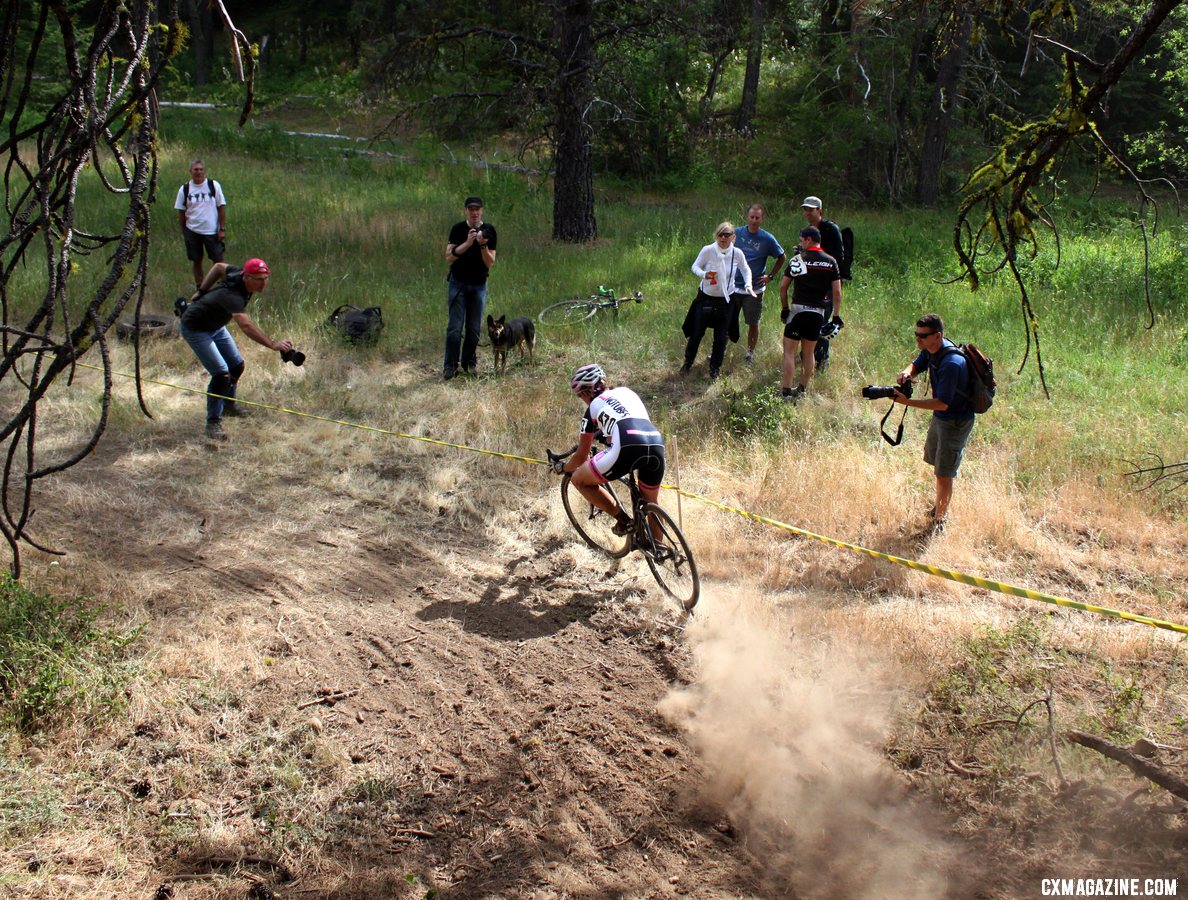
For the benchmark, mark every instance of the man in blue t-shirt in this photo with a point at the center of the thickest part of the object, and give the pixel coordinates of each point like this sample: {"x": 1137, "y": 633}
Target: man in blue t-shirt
{"x": 952, "y": 417}
{"x": 757, "y": 246}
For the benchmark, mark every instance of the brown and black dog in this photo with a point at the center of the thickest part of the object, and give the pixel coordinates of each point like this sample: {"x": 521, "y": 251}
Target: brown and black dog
{"x": 519, "y": 332}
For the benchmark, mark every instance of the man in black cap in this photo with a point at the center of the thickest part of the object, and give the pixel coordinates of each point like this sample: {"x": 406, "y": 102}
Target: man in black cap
{"x": 470, "y": 252}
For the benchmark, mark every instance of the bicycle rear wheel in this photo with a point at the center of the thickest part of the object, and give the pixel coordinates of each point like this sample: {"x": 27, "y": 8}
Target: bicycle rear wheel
{"x": 593, "y": 524}
{"x": 670, "y": 558}
{"x": 567, "y": 312}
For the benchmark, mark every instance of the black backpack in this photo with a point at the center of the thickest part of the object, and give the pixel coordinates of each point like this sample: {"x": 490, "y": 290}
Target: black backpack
{"x": 359, "y": 326}
{"x": 847, "y": 259}
{"x": 982, "y": 383}
{"x": 211, "y": 185}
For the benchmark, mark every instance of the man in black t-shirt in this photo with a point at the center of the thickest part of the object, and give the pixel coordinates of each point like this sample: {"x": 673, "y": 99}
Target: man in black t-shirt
{"x": 470, "y": 252}
{"x": 224, "y": 295}
{"x": 816, "y": 289}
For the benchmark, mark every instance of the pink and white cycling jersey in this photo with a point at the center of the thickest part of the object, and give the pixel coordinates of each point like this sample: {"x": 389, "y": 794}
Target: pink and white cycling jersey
{"x": 621, "y": 417}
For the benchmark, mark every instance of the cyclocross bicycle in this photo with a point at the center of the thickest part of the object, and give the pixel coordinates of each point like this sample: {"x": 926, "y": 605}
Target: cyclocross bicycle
{"x": 653, "y": 533}
{"x": 569, "y": 312}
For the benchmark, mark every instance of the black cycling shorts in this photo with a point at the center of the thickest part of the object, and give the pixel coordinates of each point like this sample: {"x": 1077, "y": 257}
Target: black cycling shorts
{"x": 647, "y": 459}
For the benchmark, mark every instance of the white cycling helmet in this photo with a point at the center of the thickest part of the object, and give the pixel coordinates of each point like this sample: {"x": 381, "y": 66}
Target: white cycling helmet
{"x": 589, "y": 376}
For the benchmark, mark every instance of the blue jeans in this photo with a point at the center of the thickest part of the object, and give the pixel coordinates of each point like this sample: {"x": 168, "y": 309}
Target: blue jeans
{"x": 467, "y": 302}
{"x": 219, "y": 355}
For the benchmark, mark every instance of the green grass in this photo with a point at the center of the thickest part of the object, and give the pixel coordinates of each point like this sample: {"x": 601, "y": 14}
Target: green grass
{"x": 56, "y": 660}
{"x": 350, "y": 229}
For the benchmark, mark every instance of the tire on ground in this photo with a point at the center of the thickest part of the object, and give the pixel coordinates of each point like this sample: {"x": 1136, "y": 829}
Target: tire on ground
{"x": 151, "y": 325}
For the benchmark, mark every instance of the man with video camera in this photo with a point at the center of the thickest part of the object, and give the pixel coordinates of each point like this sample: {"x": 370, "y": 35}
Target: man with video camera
{"x": 952, "y": 416}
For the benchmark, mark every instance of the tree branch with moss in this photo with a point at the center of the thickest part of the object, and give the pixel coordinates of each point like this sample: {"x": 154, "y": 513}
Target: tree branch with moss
{"x": 999, "y": 220}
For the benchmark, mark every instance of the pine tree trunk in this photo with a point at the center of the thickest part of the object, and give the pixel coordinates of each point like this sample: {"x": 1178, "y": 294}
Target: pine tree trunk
{"x": 750, "y": 92}
{"x": 202, "y": 28}
{"x": 940, "y": 113}
{"x": 573, "y": 185}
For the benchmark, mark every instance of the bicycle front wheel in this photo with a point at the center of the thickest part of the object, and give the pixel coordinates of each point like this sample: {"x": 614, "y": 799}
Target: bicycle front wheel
{"x": 670, "y": 558}
{"x": 595, "y": 526}
{"x": 567, "y": 312}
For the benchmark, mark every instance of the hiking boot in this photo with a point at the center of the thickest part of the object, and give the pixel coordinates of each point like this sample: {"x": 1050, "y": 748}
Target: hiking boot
{"x": 235, "y": 411}
{"x": 214, "y": 431}
{"x": 749, "y": 359}
{"x": 622, "y": 527}
{"x": 686, "y": 368}
{"x": 448, "y": 373}
{"x": 714, "y": 374}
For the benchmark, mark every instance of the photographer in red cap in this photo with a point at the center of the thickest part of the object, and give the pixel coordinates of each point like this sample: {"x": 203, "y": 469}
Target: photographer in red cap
{"x": 224, "y": 295}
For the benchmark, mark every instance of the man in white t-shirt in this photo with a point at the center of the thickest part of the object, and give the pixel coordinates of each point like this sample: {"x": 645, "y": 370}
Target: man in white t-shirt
{"x": 202, "y": 214}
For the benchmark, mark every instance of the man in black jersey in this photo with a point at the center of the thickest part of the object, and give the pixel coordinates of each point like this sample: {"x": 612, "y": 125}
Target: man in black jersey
{"x": 831, "y": 243}
{"x": 817, "y": 288}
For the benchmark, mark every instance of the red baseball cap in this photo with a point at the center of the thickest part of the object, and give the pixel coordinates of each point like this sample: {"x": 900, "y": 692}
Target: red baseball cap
{"x": 256, "y": 267}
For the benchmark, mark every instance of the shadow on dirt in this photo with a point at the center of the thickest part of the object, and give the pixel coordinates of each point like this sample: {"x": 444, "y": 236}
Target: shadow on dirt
{"x": 517, "y": 607}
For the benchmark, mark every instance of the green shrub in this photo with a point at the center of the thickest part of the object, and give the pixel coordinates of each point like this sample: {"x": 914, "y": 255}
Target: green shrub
{"x": 754, "y": 413}
{"x": 55, "y": 660}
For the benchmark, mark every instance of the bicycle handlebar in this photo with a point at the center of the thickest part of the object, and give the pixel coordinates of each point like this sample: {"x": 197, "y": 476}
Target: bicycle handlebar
{"x": 609, "y": 294}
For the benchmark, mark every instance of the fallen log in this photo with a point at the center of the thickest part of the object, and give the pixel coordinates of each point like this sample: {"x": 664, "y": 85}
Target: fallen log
{"x": 1136, "y": 764}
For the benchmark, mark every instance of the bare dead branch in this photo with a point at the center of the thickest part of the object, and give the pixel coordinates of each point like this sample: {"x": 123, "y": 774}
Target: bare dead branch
{"x": 104, "y": 118}
{"x": 1158, "y": 472}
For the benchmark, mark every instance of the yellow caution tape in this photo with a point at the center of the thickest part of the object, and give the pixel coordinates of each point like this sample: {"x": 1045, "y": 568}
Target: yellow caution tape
{"x": 973, "y": 580}
{"x": 988, "y": 584}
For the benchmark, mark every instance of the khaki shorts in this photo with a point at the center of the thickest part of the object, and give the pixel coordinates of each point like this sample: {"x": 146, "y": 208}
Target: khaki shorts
{"x": 945, "y": 444}
{"x": 752, "y": 308}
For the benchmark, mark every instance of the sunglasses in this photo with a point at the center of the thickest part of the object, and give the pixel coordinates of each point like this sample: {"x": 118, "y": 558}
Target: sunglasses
{"x": 725, "y": 234}
{"x": 926, "y": 334}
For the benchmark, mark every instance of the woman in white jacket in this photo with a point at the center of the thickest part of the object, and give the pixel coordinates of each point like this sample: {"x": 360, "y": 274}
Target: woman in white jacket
{"x": 715, "y": 307}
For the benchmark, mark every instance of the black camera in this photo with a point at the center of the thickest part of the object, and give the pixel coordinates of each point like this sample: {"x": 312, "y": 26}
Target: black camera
{"x": 296, "y": 357}
{"x": 879, "y": 392}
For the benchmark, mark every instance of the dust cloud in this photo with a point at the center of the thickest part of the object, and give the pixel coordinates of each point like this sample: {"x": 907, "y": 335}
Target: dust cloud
{"x": 788, "y": 729}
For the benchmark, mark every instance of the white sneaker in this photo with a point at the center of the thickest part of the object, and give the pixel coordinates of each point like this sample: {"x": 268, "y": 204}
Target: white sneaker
{"x": 750, "y": 358}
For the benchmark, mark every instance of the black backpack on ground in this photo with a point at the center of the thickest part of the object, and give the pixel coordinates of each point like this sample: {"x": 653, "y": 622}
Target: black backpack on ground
{"x": 982, "y": 383}
{"x": 359, "y": 326}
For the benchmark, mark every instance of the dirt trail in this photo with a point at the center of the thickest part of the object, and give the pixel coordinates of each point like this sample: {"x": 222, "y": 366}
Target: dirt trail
{"x": 367, "y": 694}
{"x": 499, "y": 733}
